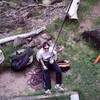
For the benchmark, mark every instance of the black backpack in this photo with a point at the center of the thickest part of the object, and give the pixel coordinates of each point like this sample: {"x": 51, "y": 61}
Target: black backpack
{"x": 19, "y": 61}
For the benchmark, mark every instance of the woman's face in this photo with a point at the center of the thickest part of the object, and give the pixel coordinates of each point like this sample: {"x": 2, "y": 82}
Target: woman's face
{"x": 46, "y": 48}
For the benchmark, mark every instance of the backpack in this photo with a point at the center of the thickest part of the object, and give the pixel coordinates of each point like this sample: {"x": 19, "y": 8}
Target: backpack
{"x": 19, "y": 61}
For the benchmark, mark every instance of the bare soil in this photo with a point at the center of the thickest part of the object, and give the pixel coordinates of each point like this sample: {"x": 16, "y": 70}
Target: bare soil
{"x": 14, "y": 83}
{"x": 87, "y": 23}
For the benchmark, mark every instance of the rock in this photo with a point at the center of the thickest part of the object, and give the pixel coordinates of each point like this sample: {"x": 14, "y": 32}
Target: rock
{"x": 1, "y": 36}
{"x": 38, "y": 40}
{"x": 45, "y": 36}
{"x": 3, "y": 3}
{"x": 19, "y": 41}
{"x": 27, "y": 2}
{"x": 34, "y": 43}
{"x": 13, "y": 5}
{"x": 48, "y": 2}
{"x": 60, "y": 48}
{"x": 76, "y": 39}
{"x": 93, "y": 35}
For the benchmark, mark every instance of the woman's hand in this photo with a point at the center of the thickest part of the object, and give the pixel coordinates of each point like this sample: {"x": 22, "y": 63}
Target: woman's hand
{"x": 51, "y": 61}
{"x": 45, "y": 68}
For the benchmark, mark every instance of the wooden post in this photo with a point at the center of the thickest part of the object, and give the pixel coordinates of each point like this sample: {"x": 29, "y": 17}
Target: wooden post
{"x": 74, "y": 96}
{"x": 26, "y": 35}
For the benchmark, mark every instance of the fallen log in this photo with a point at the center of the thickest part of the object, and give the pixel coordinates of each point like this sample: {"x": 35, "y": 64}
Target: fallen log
{"x": 40, "y": 97}
{"x": 26, "y": 35}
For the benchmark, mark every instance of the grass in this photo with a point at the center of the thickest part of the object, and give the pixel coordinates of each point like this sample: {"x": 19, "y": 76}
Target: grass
{"x": 96, "y": 22}
{"x": 82, "y": 58}
{"x": 85, "y": 7}
{"x": 8, "y": 50}
{"x": 85, "y": 75}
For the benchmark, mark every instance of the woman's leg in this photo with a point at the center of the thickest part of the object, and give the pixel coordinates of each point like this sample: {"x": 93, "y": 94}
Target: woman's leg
{"x": 47, "y": 79}
{"x": 56, "y": 68}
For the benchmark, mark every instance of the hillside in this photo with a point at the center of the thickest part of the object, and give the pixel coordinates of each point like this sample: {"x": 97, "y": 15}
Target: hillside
{"x": 84, "y": 76}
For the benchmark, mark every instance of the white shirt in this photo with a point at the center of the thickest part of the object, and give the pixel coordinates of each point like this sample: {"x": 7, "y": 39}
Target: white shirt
{"x": 42, "y": 54}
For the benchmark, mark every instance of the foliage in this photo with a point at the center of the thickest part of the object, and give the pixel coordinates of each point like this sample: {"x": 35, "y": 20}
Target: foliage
{"x": 8, "y": 50}
{"x": 97, "y": 22}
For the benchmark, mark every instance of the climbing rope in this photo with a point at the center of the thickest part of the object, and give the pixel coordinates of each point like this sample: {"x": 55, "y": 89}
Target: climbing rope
{"x": 36, "y": 80}
{"x": 66, "y": 16}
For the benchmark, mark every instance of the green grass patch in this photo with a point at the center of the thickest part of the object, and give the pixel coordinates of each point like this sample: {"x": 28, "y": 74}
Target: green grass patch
{"x": 84, "y": 78}
{"x": 8, "y": 50}
{"x": 96, "y": 22}
{"x": 92, "y": 2}
{"x": 85, "y": 7}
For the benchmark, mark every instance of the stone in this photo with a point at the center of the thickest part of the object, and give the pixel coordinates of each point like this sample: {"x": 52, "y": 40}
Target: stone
{"x": 46, "y": 36}
{"x": 34, "y": 43}
{"x": 13, "y": 5}
{"x": 1, "y": 36}
{"x": 27, "y": 2}
{"x": 48, "y": 2}
{"x": 19, "y": 41}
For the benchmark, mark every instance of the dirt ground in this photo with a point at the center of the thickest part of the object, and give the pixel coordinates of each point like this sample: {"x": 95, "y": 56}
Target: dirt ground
{"x": 14, "y": 83}
{"x": 87, "y": 22}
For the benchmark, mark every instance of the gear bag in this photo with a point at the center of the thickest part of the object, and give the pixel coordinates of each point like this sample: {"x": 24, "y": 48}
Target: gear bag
{"x": 19, "y": 61}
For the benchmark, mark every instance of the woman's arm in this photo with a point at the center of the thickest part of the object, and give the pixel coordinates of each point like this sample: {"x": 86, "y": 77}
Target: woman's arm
{"x": 44, "y": 67}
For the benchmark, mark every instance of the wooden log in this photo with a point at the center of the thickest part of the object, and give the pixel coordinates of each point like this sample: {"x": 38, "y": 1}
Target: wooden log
{"x": 42, "y": 97}
{"x": 26, "y": 35}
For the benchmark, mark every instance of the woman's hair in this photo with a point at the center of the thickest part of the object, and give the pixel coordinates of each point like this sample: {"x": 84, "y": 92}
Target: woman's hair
{"x": 45, "y": 43}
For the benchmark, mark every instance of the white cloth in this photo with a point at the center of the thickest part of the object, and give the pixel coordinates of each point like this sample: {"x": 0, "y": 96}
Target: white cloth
{"x": 73, "y": 9}
{"x": 1, "y": 57}
{"x": 41, "y": 54}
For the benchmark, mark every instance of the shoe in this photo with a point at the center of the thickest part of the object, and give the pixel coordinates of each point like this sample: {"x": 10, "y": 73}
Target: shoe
{"x": 59, "y": 87}
{"x": 48, "y": 92}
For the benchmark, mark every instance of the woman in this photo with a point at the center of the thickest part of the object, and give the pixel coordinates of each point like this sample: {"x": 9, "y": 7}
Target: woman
{"x": 46, "y": 57}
